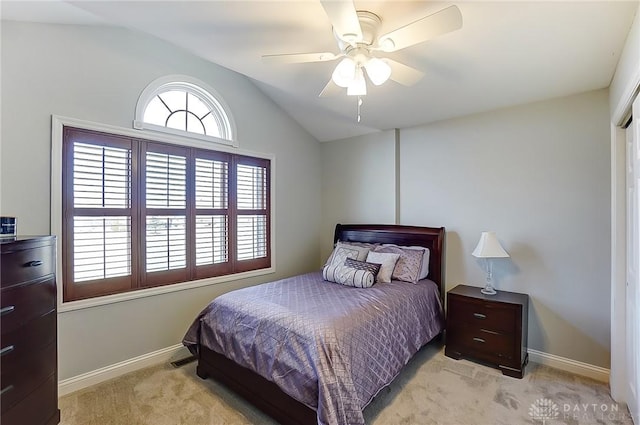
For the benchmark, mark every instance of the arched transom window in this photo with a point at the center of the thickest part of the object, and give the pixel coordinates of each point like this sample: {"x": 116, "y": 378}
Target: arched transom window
{"x": 175, "y": 105}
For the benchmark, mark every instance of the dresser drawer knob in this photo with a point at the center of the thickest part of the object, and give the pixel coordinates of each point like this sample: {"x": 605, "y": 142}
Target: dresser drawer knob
{"x": 6, "y": 310}
{"x": 479, "y": 340}
{"x": 7, "y": 350}
{"x": 6, "y": 389}
{"x": 479, "y": 316}
{"x": 34, "y": 263}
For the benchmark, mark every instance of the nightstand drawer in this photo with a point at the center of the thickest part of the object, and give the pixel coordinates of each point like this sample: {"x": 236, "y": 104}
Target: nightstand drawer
{"x": 21, "y": 342}
{"x": 494, "y": 346}
{"x": 23, "y": 303}
{"x": 26, "y": 265}
{"x": 482, "y": 315}
{"x": 39, "y": 407}
{"x": 25, "y": 375}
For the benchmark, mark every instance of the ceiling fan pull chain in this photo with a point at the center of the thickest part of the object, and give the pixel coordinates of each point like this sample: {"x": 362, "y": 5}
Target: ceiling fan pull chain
{"x": 359, "y": 104}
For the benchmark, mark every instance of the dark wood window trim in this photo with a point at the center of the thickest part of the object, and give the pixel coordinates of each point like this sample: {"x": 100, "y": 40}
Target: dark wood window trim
{"x": 137, "y": 212}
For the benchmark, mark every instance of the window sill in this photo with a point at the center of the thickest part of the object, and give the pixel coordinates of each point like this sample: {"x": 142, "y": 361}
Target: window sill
{"x": 142, "y": 293}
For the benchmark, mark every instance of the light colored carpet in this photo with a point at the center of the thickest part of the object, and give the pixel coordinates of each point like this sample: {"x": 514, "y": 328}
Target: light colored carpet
{"x": 432, "y": 389}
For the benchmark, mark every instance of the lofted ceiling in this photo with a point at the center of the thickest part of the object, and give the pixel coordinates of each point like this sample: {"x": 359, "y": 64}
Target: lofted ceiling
{"x": 507, "y": 52}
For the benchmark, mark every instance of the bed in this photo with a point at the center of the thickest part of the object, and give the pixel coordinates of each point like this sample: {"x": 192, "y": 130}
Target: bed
{"x": 294, "y": 348}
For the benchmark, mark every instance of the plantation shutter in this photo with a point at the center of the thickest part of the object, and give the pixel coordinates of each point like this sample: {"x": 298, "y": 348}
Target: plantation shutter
{"x": 212, "y": 214}
{"x": 98, "y": 216}
{"x": 252, "y": 213}
{"x": 165, "y": 214}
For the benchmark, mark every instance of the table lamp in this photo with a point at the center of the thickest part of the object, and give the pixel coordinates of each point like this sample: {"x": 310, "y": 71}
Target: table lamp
{"x": 489, "y": 247}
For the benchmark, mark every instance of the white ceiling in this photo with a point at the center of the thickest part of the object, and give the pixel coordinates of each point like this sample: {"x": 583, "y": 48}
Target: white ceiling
{"x": 507, "y": 52}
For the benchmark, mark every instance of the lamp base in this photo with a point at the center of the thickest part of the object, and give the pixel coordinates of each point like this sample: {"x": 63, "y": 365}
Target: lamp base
{"x": 488, "y": 290}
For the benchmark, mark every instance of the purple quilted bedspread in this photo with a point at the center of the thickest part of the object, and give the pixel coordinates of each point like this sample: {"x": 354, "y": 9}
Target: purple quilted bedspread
{"x": 331, "y": 347}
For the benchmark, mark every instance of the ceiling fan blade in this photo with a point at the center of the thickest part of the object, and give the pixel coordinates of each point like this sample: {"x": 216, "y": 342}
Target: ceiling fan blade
{"x": 427, "y": 28}
{"x": 343, "y": 17}
{"x": 300, "y": 57}
{"x": 331, "y": 89}
{"x": 403, "y": 74}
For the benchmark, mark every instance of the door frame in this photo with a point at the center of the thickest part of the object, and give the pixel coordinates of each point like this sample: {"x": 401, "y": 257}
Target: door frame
{"x": 618, "y": 368}
{"x": 632, "y": 286}
{"x": 619, "y": 116}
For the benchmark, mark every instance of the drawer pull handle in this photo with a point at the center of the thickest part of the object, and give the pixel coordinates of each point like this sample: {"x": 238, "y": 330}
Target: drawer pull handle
{"x": 479, "y": 316}
{"x": 34, "y": 263}
{"x": 7, "y": 350}
{"x": 6, "y": 389}
{"x": 480, "y": 340}
{"x": 6, "y": 310}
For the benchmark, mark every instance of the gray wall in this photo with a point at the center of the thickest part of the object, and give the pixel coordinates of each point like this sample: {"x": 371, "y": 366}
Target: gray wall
{"x": 536, "y": 174}
{"x": 97, "y": 74}
{"x": 358, "y": 183}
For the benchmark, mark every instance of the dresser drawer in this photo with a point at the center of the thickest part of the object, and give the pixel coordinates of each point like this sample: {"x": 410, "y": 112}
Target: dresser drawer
{"x": 25, "y": 265}
{"x": 481, "y": 315}
{"x": 26, "y": 374}
{"x": 38, "y": 408}
{"x": 23, "y": 341}
{"x": 488, "y": 345}
{"x": 20, "y": 304}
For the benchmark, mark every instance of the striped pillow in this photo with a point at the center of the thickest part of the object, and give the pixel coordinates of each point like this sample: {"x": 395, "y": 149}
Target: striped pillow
{"x": 363, "y": 265}
{"x": 348, "y": 276}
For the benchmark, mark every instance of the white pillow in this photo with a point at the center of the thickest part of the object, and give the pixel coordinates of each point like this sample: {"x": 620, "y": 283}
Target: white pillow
{"x": 342, "y": 251}
{"x": 424, "y": 271}
{"x": 387, "y": 263}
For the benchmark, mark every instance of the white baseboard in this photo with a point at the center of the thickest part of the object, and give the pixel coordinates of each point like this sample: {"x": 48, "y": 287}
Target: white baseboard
{"x": 75, "y": 383}
{"x": 568, "y": 365}
{"x": 67, "y": 386}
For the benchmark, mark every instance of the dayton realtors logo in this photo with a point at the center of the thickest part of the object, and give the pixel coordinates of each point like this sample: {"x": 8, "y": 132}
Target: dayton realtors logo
{"x": 544, "y": 410}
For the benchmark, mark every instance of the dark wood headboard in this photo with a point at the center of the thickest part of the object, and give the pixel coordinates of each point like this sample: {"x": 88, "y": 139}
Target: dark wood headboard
{"x": 428, "y": 237}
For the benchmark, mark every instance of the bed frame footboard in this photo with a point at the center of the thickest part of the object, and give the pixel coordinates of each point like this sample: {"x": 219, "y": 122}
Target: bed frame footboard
{"x": 263, "y": 394}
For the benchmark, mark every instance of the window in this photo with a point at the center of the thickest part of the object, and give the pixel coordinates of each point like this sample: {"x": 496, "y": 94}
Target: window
{"x": 179, "y": 104}
{"x": 139, "y": 213}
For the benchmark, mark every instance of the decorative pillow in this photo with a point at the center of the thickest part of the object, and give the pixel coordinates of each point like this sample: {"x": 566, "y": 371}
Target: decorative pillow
{"x": 424, "y": 270}
{"x": 363, "y": 265}
{"x": 387, "y": 262}
{"x": 409, "y": 264}
{"x": 348, "y": 276}
{"x": 342, "y": 251}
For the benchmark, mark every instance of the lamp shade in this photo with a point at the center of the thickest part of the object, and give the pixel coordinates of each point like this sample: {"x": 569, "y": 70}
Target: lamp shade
{"x": 344, "y": 73}
{"x": 377, "y": 70}
{"x": 489, "y": 247}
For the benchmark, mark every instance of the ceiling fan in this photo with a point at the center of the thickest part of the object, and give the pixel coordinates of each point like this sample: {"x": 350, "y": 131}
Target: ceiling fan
{"x": 362, "y": 48}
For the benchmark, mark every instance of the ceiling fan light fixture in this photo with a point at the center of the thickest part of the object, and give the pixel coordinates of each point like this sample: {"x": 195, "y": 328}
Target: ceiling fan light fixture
{"x": 345, "y": 72}
{"x": 358, "y": 86}
{"x": 378, "y": 71}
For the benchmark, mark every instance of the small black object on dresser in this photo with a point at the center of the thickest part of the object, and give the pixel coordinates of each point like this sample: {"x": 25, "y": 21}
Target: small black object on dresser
{"x": 490, "y": 328}
{"x": 28, "y": 342}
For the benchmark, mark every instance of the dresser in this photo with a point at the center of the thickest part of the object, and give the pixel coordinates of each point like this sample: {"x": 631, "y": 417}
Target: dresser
{"x": 490, "y": 328}
{"x": 28, "y": 341}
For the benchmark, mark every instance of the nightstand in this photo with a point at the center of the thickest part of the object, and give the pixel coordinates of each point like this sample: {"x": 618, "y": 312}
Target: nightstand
{"x": 490, "y": 328}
